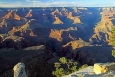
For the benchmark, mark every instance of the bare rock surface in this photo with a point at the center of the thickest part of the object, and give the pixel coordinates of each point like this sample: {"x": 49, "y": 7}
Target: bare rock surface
{"x": 19, "y": 70}
{"x": 103, "y": 67}
{"x": 91, "y": 71}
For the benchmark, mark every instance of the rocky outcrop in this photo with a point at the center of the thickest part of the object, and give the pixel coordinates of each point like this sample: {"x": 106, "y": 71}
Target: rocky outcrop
{"x": 56, "y": 34}
{"x": 100, "y": 70}
{"x": 77, "y": 44}
{"x": 13, "y": 42}
{"x": 3, "y": 22}
{"x": 19, "y": 70}
{"x": 15, "y": 38}
{"x": 32, "y": 34}
{"x": 14, "y": 29}
{"x": 12, "y": 15}
{"x": 103, "y": 67}
{"x": 31, "y": 24}
{"x": 61, "y": 35}
{"x": 56, "y": 12}
{"x": 75, "y": 19}
{"x": 105, "y": 25}
{"x": 16, "y": 17}
{"x": 8, "y": 15}
{"x": 29, "y": 14}
{"x": 102, "y": 29}
{"x": 57, "y": 20}
{"x": 108, "y": 11}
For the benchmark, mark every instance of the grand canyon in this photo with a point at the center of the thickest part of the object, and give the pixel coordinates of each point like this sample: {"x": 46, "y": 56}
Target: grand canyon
{"x": 43, "y": 35}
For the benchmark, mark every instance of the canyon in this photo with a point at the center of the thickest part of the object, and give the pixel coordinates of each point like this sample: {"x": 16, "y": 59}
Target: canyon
{"x": 78, "y": 33}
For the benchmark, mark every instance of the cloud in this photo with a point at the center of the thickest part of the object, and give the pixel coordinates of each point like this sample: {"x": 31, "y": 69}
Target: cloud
{"x": 5, "y": 4}
{"x": 52, "y": 3}
{"x": 33, "y": 0}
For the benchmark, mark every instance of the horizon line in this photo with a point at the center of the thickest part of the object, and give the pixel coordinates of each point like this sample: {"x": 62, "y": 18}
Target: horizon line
{"x": 59, "y": 6}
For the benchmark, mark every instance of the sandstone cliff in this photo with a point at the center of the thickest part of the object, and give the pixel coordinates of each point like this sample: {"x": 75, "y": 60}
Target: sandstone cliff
{"x": 103, "y": 28}
{"x": 75, "y": 19}
{"x": 56, "y": 34}
{"x": 8, "y": 15}
{"x": 16, "y": 17}
{"x": 29, "y": 14}
{"x": 31, "y": 24}
{"x": 57, "y": 20}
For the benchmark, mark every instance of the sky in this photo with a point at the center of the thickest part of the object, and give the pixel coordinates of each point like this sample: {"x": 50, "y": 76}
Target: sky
{"x": 57, "y": 3}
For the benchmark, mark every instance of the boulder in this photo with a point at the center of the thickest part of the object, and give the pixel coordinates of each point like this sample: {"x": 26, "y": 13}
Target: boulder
{"x": 103, "y": 67}
{"x": 88, "y": 72}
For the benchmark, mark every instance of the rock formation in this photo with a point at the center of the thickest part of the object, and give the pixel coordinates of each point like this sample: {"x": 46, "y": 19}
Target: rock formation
{"x": 56, "y": 34}
{"x": 102, "y": 29}
{"x": 103, "y": 67}
{"x": 3, "y": 22}
{"x": 31, "y": 24}
{"x": 29, "y": 14}
{"x": 12, "y": 15}
{"x": 16, "y": 17}
{"x": 75, "y": 19}
{"x": 56, "y": 12}
{"x": 61, "y": 35}
{"x": 8, "y": 15}
{"x": 100, "y": 70}
{"x": 57, "y": 20}
{"x": 19, "y": 70}
{"x": 77, "y": 44}
{"x": 13, "y": 42}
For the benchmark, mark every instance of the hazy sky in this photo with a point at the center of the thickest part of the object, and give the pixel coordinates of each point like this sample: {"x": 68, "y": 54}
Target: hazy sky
{"x": 57, "y": 3}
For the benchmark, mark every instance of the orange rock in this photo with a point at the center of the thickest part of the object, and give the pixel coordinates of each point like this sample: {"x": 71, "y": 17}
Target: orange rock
{"x": 71, "y": 37}
{"x": 75, "y": 19}
{"x": 8, "y": 15}
{"x": 105, "y": 25}
{"x": 57, "y": 21}
{"x": 70, "y": 15}
{"x": 56, "y": 11}
{"x": 17, "y": 17}
{"x": 29, "y": 14}
{"x": 56, "y": 34}
{"x": 74, "y": 45}
{"x": 53, "y": 13}
{"x": 14, "y": 29}
{"x": 31, "y": 33}
{"x": 2, "y": 21}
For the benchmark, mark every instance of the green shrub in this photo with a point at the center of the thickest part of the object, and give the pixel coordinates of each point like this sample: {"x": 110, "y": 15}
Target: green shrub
{"x": 65, "y": 67}
{"x": 83, "y": 66}
{"x": 112, "y": 40}
{"x": 112, "y": 37}
{"x": 113, "y": 53}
